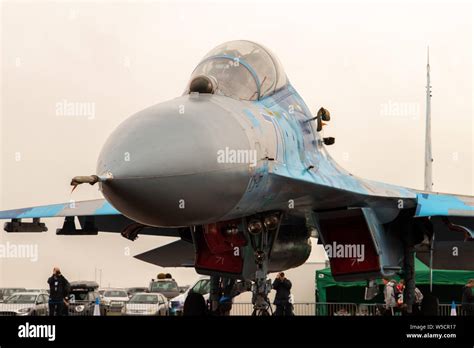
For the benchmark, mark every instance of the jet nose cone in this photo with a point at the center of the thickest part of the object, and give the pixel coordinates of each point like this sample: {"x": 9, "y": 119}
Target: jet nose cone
{"x": 165, "y": 163}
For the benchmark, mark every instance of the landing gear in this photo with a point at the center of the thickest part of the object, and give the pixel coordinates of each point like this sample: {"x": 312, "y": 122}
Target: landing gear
{"x": 262, "y": 237}
{"x": 262, "y": 286}
{"x": 222, "y": 291}
{"x": 214, "y": 294}
{"x": 414, "y": 234}
{"x": 261, "y": 304}
{"x": 237, "y": 249}
{"x": 409, "y": 271}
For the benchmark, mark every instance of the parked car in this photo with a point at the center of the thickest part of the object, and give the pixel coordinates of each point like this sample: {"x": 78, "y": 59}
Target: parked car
{"x": 183, "y": 289}
{"x": 36, "y": 290}
{"x": 144, "y": 303}
{"x": 133, "y": 291}
{"x": 113, "y": 300}
{"x": 25, "y": 303}
{"x": 5, "y": 292}
{"x": 82, "y": 298}
{"x": 167, "y": 287}
{"x": 201, "y": 286}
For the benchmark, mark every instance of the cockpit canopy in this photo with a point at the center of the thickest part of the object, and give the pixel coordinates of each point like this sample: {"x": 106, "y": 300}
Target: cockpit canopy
{"x": 239, "y": 69}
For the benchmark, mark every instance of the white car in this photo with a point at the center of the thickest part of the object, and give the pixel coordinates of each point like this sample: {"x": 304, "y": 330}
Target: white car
{"x": 201, "y": 286}
{"x": 5, "y": 292}
{"x": 144, "y": 303}
{"x": 25, "y": 303}
{"x": 113, "y": 300}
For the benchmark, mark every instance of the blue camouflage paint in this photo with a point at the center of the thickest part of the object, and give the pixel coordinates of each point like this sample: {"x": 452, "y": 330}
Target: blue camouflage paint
{"x": 43, "y": 211}
{"x": 440, "y": 205}
{"x": 106, "y": 209}
{"x": 298, "y": 141}
{"x": 253, "y": 119}
{"x": 83, "y": 208}
{"x": 299, "y": 146}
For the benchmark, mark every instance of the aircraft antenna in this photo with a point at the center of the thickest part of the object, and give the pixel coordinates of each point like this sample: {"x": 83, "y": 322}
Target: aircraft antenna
{"x": 428, "y": 154}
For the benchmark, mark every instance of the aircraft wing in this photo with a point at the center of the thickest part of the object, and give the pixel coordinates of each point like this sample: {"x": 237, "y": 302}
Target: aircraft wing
{"x": 93, "y": 215}
{"x": 441, "y": 204}
{"x": 83, "y": 208}
{"x": 382, "y": 217}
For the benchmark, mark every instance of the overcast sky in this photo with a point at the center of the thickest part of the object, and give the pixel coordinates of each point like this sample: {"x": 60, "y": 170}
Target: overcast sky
{"x": 364, "y": 61}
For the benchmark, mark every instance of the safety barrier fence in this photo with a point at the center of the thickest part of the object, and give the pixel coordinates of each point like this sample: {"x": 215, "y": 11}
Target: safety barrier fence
{"x": 298, "y": 309}
{"x": 84, "y": 309}
{"x": 242, "y": 309}
{"x": 340, "y": 309}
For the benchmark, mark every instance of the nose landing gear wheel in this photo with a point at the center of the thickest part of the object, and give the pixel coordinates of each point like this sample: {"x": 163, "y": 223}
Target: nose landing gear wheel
{"x": 262, "y": 307}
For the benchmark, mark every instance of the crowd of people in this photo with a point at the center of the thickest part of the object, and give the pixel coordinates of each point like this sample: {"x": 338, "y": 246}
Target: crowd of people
{"x": 394, "y": 297}
{"x": 195, "y": 304}
{"x": 395, "y": 302}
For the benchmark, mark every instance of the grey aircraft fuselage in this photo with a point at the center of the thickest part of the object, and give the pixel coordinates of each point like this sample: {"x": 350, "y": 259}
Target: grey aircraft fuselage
{"x": 204, "y": 158}
{"x": 238, "y": 167}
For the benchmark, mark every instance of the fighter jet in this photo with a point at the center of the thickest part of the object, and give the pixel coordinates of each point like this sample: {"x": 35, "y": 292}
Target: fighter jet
{"x": 237, "y": 167}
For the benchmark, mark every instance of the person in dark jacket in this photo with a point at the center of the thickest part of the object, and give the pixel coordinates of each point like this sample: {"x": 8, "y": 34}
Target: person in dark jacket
{"x": 468, "y": 298}
{"x": 194, "y": 305}
{"x": 282, "y": 286}
{"x": 58, "y": 293}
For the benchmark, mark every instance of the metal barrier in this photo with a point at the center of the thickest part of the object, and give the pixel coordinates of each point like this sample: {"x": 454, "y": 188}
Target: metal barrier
{"x": 336, "y": 309}
{"x": 304, "y": 309}
{"x": 242, "y": 309}
{"x": 300, "y": 309}
{"x": 369, "y": 309}
{"x": 444, "y": 310}
{"x": 238, "y": 309}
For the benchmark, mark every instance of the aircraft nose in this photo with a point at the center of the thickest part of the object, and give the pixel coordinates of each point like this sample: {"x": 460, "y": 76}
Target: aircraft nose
{"x": 166, "y": 167}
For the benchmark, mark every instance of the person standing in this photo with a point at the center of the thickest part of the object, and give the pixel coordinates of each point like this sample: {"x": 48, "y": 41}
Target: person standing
{"x": 418, "y": 301}
{"x": 282, "y": 285}
{"x": 194, "y": 305}
{"x": 390, "y": 296}
{"x": 58, "y": 293}
{"x": 468, "y": 297}
{"x": 399, "y": 292}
